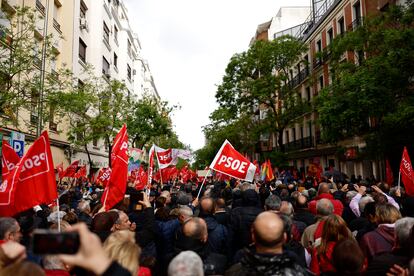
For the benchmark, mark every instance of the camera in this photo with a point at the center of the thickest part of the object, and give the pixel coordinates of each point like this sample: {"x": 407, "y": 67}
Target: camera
{"x": 54, "y": 242}
{"x": 135, "y": 199}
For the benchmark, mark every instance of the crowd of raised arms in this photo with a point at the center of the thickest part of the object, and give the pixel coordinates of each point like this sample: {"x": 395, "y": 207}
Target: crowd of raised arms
{"x": 352, "y": 227}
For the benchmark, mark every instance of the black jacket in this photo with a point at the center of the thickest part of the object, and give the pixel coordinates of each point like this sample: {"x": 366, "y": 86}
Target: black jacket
{"x": 241, "y": 219}
{"x": 382, "y": 263}
{"x": 305, "y": 216}
{"x": 253, "y": 264}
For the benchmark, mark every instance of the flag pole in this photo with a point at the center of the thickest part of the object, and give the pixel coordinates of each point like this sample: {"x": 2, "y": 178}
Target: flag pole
{"x": 58, "y": 213}
{"x": 202, "y": 184}
{"x": 399, "y": 179}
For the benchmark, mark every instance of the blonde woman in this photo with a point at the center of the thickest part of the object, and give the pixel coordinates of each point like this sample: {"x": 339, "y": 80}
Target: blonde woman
{"x": 121, "y": 247}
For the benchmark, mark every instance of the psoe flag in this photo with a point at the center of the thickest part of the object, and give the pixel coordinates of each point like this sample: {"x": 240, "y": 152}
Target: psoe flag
{"x": 229, "y": 161}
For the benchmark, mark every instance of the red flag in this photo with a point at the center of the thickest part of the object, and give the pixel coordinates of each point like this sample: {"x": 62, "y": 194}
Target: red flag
{"x": 406, "y": 170}
{"x": 71, "y": 170}
{"x": 115, "y": 190}
{"x": 269, "y": 172}
{"x": 141, "y": 180}
{"x": 31, "y": 182}
{"x": 231, "y": 162}
{"x": 389, "y": 177}
{"x": 151, "y": 166}
{"x": 103, "y": 176}
{"x": 9, "y": 159}
{"x": 81, "y": 172}
{"x": 60, "y": 170}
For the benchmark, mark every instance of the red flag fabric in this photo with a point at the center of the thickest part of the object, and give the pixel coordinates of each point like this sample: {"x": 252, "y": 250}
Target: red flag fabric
{"x": 389, "y": 177}
{"x": 31, "y": 182}
{"x": 407, "y": 175}
{"x": 103, "y": 176}
{"x": 71, "y": 170}
{"x": 231, "y": 162}
{"x": 115, "y": 190}
{"x": 141, "y": 179}
{"x": 151, "y": 166}
{"x": 9, "y": 159}
{"x": 81, "y": 172}
{"x": 60, "y": 170}
{"x": 269, "y": 172}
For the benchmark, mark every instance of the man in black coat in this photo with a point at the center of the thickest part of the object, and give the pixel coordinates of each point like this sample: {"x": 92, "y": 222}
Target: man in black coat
{"x": 267, "y": 256}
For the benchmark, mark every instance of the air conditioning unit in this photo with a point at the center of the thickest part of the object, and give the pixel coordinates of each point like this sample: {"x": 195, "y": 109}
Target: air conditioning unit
{"x": 83, "y": 24}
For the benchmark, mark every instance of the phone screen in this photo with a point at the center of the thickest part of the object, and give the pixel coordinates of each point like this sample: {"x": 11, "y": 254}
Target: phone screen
{"x": 53, "y": 242}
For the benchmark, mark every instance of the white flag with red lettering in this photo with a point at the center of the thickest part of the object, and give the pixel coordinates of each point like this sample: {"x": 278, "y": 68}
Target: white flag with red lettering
{"x": 169, "y": 157}
{"x": 31, "y": 182}
{"x": 229, "y": 161}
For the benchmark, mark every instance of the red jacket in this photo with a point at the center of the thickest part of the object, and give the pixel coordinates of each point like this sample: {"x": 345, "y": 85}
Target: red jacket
{"x": 338, "y": 207}
{"x": 322, "y": 263}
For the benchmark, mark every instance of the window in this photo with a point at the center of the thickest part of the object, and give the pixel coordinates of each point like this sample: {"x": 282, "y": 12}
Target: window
{"x": 129, "y": 72}
{"x": 341, "y": 26}
{"x": 129, "y": 49}
{"x": 357, "y": 15}
{"x": 320, "y": 82}
{"x": 330, "y": 36}
{"x": 287, "y": 136}
{"x": 308, "y": 93}
{"x": 115, "y": 60}
{"x": 105, "y": 66}
{"x": 83, "y": 9}
{"x": 294, "y": 134}
{"x": 82, "y": 50}
{"x": 106, "y": 33}
{"x": 319, "y": 46}
{"x": 115, "y": 33}
{"x": 95, "y": 142}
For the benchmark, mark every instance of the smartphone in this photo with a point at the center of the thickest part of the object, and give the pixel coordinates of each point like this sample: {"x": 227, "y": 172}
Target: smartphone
{"x": 54, "y": 242}
{"x": 135, "y": 199}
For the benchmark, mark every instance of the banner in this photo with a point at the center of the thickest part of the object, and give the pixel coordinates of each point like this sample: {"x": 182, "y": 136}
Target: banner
{"x": 406, "y": 170}
{"x": 115, "y": 190}
{"x": 168, "y": 157}
{"x": 231, "y": 162}
{"x": 9, "y": 159}
{"x": 31, "y": 182}
{"x": 135, "y": 158}
{"x": 141, "y": 179}
{"x": 71, "y": 170}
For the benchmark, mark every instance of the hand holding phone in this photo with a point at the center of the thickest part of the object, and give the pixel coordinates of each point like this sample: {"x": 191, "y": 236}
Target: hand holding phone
{"x": 53, "y": 242}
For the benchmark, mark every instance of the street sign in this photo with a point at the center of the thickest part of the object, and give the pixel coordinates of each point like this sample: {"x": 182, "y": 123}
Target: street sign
{"x": 17, "y": 142}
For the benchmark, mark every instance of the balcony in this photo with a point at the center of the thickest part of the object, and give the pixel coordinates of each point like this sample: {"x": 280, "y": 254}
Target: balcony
{"x": 300, "y": 144}
{"x": 56, "y": 25}
{"x": 299, "y": 78}
{"x": 355, "y": 24}
{"x": 40, "y": 7}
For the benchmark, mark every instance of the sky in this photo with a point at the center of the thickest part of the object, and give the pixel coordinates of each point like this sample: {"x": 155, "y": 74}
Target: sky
{"x": 188, "y": 44}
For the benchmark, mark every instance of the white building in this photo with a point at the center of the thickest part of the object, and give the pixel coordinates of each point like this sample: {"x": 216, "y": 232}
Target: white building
{"x": 286, "y": 18}
{"x": 104, "y": 39}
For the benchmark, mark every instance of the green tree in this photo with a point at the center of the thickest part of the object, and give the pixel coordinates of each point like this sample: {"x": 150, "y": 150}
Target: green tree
{"x": 26, "y": 81}
{"x": 96, "y": 109}
{"x": 259, "y": 79}
{"x": 373, "y": 97}
{"x": 149, "y": 121}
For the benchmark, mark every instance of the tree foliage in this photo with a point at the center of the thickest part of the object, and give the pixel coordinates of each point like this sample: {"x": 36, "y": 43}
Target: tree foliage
{"x": 21, "y": 67}
{"x": 373, "y": 97}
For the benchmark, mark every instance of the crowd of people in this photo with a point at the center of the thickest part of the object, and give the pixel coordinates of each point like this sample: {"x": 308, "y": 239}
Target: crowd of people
{"x": 353, "y": 227}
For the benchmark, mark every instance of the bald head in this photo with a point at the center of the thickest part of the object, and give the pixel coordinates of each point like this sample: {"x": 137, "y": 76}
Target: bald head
{"x": 268, "y": 231}
{"x": 207, "y": 206}
{"x": 323, "y": 188}
{"x": 196, "y": 228}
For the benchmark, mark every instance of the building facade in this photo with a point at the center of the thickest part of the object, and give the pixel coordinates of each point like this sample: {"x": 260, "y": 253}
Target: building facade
{"x": 302, "y": 141}
{"x": 86, "y": 34}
